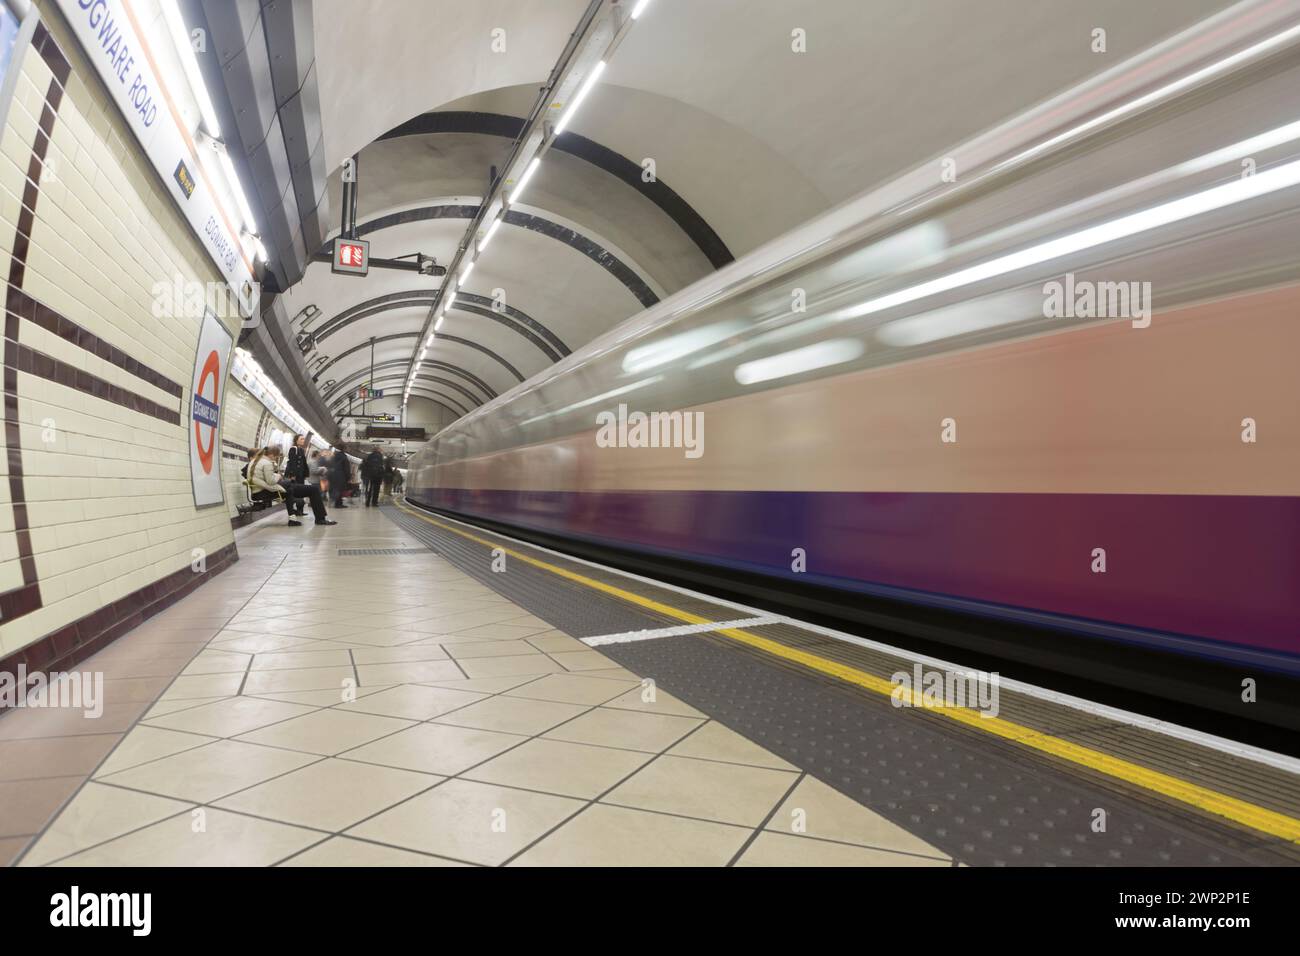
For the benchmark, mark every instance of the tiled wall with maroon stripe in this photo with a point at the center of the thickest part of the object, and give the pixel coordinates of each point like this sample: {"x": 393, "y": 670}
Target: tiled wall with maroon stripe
{"x": 96, "y": 508}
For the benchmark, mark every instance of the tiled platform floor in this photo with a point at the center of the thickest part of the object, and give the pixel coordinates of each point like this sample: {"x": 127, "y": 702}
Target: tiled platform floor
{"x": 308, "y": 708}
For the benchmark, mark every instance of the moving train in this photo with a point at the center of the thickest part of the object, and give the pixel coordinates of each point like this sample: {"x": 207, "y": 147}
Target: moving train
{"x": 1037, "y": 396}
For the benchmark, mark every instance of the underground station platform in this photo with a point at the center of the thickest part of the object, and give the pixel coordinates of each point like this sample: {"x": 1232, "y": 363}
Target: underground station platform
{"x": 409, "y": 689}
{"x": 491, "y": 465}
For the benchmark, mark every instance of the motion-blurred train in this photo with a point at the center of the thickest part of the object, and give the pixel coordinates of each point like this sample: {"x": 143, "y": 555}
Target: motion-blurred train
{"x": 1040, "y": 394}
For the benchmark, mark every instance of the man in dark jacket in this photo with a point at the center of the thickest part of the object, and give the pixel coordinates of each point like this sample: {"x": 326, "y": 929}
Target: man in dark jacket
{"x": 340, "y": 476}
{"x": 372, "y": 473}
{"x": 295, "y": 468}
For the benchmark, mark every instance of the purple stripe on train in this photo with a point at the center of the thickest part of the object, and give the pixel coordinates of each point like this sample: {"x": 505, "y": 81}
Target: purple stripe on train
{"x": 1223, "y": 568}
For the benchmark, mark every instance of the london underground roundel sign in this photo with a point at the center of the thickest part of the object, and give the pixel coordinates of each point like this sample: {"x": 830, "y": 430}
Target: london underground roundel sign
{"x": 207, "y": 411}
{"x": 207, "y": 387}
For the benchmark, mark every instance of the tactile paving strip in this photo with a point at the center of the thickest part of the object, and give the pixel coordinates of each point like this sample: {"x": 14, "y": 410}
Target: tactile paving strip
{"x": 977, "y": 803}
{"x": 982, "y": 800}
{"x": 357, "y": 552}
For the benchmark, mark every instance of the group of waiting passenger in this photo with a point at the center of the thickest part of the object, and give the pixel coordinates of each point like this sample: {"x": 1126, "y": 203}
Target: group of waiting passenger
{"x": 306, "y": 477}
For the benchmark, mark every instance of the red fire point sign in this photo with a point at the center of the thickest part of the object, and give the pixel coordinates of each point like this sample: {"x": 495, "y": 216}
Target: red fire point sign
{"x": 351, "y": 256}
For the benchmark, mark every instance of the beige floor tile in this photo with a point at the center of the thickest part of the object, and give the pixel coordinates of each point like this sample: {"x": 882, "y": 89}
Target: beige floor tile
{"x": 258, "y": 643}
{"x": 321, "y": 632}
{"x": 412, "y": 701}
{"x": 230, "y": 716}
{"x": 37, "y": 757}
{"x": 435, "y": 748}
{"x": 466, "y": 620}
{"x": 27, "y": 805}
{"x": 217, "y": 662}
{"x": 583, "y": 660}
{"x": 143, "y": 689}
{"x": 164, "y": 707}
{"x": 573, "y": 770}
{"x": 556, "y": 642}
{"x": 145, "y": 743}
{"x": 210, "y": 772}
{"x": 663, "y": 703}
{"x": 487, "y": 685}
{"x": 625, "y": 728}
{"x": 227, "y": 839}
{"x": 344, "y": 851}
{"x": 97, "y": 814}
{"x": 397, "y": 655}
{"x": 408, "y": 672}
{"x": 530, "y": 620}
{"x": 296, "y": 660}
{"x": 324, "y": 698}
{"x": 114, "y": 717}
{"x": 508, "y": 666}
{"x": 831, "y": 815}
{"x": 475, "y": 822}
{"x": 571, "y": 689}
{"x": 330, "y": 795}
{"x": 503, "y": 632}
{"x": 777, "y": 849}
{"x": 716, "y": 742}
{"x": 473, "y": 649}
{"x": 617, "y": 836}
{"x": 310, "y": 678}
{"x": 513, "y": 715}
{"x": 384, "y": 637}
{"x": 726, "y": 793}
{"x": 207, "y": 685}
{"x": 326, "y": 732}
{"x": 615, "y": 673}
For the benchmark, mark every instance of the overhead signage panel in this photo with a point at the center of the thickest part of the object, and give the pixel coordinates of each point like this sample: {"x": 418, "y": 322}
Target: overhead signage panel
{"x": 351, "y": 256}
{"x": 113, "y": 42}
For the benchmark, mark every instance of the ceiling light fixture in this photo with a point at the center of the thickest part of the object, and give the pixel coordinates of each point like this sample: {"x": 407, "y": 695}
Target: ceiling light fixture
{"x": 576, "y": 102}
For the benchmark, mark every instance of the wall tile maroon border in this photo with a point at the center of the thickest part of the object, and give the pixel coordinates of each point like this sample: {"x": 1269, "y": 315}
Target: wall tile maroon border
{"x": 23, "y": 305}
{"x": 73, "y": 643}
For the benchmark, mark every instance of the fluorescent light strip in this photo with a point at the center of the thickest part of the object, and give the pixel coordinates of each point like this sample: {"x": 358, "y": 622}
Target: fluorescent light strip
{"x": 612, "y": 393}
{"x": 464, "y": 273}
{"x": 492, "y": 231}
{"x": 437, "y": 325}
{"x": 181, "y": 40}
{"x": 583, "y": 90}
{"x": 1227, "y": 194}
{"x": 1136, "y": 104}
{"x": 245, "y": 209}
{"x": 523, "y": 180}
{"x": 798, "y": 361}
{"x": 639, "y": 8}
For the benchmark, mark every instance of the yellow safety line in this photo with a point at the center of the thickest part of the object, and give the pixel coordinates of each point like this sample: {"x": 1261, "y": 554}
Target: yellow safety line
{"x": 1210, "y": 801}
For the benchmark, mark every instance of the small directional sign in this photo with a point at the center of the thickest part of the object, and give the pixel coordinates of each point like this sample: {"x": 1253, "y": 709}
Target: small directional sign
{"x": 351, "y": 256}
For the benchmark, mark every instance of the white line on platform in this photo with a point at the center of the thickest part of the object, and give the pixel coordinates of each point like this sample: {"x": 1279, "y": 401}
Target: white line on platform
{"x": 680, "y": 630}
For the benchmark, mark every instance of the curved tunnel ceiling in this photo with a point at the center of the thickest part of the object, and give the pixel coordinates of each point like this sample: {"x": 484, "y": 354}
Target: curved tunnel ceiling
{"x": 692, "y": 92}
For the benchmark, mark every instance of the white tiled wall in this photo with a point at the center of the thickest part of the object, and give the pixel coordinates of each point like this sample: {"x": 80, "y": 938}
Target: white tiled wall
{"x": 110, "y": 501}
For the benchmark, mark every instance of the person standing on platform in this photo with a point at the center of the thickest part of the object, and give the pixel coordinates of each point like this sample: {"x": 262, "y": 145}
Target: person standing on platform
{"x": 340, "y": 476}
{"x": 295, "y": 468}
{"x": 372, "y": 473}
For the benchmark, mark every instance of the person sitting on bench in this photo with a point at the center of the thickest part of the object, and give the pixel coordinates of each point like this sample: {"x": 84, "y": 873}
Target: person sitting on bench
{"x": 264, "y": 475}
